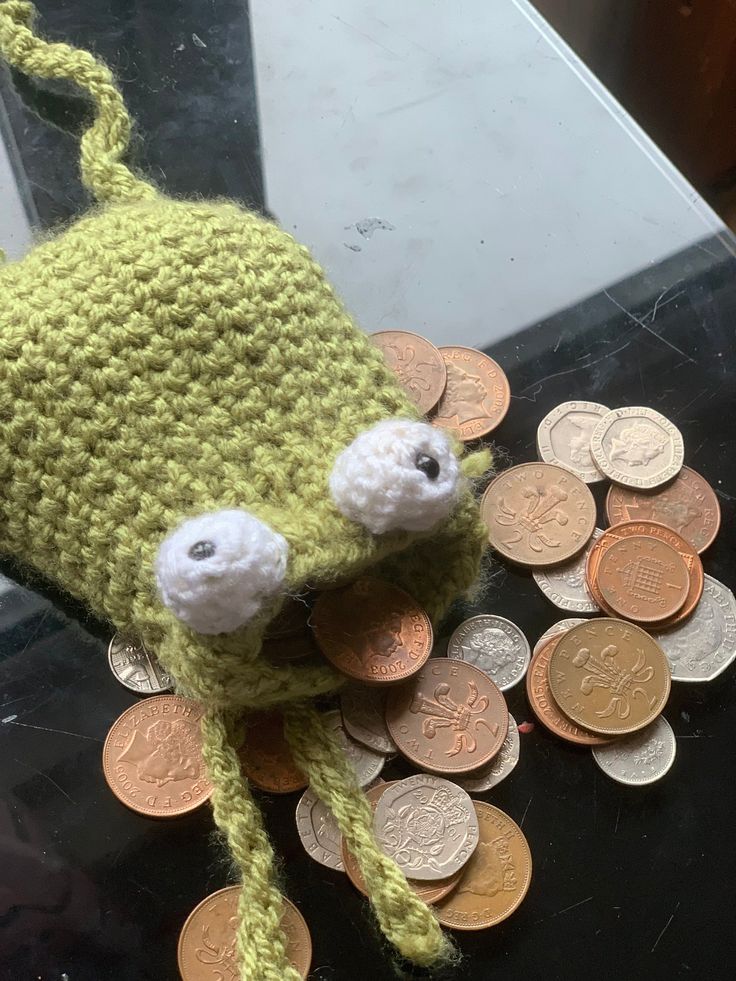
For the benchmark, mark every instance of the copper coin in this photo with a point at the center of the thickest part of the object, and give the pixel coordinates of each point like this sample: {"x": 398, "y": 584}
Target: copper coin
{"x": 292, "y": 618}
{"x": 286, "y": 648}
{"x": 688, "y": 505}
{"x": 496, "y": 879}
{"x": 643, "y": 579}
{"x": 538, "y": 514}
{"x": 417, "y": 364}
{"x": 430, "y": 892}
{"x": 207, "y": 948}
{"x": 265, "y": 756}
{"x": 372, "y": 631}
{"x": 152, "y": 757}
{"x": 632, "y": 529}
{"x": 450, "y": 718}
{"x": 609, "y": 676}
{"x": 477, "y": 395}
{"x": 545, "y": 707}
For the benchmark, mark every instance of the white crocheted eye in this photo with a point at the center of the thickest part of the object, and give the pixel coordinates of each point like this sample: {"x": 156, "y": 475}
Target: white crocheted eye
{"x": 214, "y": 572}
{"x": 398, "y": 474}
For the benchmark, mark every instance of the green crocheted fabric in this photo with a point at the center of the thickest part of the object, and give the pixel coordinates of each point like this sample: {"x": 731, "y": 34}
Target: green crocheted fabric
{"x": 164, "y": 359}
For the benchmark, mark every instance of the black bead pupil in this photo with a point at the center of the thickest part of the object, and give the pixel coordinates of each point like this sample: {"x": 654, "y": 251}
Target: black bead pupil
{"x": 427, "y": 464}
{"x": 202, "y": 550}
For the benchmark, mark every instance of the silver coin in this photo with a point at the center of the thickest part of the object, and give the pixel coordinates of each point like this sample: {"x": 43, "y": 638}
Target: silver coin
{"x": 565, "y": 585}
{"x": 366, "y": 763}
{"x": 561, "y": 627}
{"x": 705, "y": 645}
{"x": 136, "y": 668}
{"x": 563, "y": 437}
{"x": 495, "y": 645}
{"x": 318, "y": 831}
{"x": 641, "y": 758}
{"x": 502, "y": 764}
{"x": 364, "y": 717}
{"x": 637, "y": 447}
{"x": 427, "y": 825}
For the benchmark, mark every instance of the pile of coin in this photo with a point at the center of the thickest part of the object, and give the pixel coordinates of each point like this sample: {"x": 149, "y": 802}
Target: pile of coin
{"x": 604, "y": 682}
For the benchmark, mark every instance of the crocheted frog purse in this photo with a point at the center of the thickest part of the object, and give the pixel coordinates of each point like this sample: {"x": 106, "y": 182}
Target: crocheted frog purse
{"x": 192, "y": 430}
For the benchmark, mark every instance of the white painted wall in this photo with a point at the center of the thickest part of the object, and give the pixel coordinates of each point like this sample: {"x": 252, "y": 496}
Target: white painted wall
{"x": 513, "y": 184}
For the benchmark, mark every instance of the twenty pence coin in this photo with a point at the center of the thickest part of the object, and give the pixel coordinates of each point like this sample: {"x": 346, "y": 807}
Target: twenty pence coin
{"x": 638, "y": 447}
{"x": 495, "y": 880}
{"x": 563, "y": 437}
{"x": 372, "y": 631}
{"x": 543, "y": 704}
{"x": 688, "y": 505}
{"x": 427, "y": 825}
{"x": 429, "y": 891}
{"x": 207, "y": 944}
{"x": 609, "y": 676}
{"x": 450, "y": 718}
{"x": 538, "y": 514}
{"x": 152, "y": 757}
{"x": 417, "y": 364}
{"x": 477, "y": 395}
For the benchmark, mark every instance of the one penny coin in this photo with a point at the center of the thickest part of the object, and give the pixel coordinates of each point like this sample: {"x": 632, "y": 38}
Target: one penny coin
{"x": 417, "y": 364}
{"x": 287, "y": 648}
{"x": 135, "y": 667}
{"x": 637, "y": 447}
{"x": 538, "y": 514}
{"x": 543, "y": 704}
{"x": 152, "y": 757}
{"x": 477, "y": 395}
{"x": 563, "y": 437}
{"x": 643, "y": 579}
{"x": 372, "y": 631}
{"x": 292, "y": 618}
{"x": 688, "y": 505}
{"x": 450, "y": 718}
{"x": 429, "y": 891}
{"x": 609, "y": 676}
{"x": 651, "y": 529}
{"x": 495, "y": 880}
{"x": 207, "y": 944}
{"x": 265, "y": 756}
{"x": 427, "y": 825}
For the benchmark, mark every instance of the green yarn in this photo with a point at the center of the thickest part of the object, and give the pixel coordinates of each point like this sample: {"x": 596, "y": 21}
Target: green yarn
{"x": 162, "y": 359}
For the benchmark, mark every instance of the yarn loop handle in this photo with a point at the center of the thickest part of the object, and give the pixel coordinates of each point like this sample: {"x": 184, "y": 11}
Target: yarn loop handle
{"x": 105, "y": 143}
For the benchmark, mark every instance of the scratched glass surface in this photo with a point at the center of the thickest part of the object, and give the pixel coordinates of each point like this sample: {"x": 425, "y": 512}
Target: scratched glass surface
{"x": 634, "y": 882}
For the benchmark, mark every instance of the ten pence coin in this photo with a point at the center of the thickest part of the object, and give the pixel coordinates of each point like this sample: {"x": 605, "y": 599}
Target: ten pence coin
{"x": 637, "y": 447}
{"x": 538, "y": 514}
{"x": 477, "y": 395}
{"x": 318, "y": 831}
{"x": 417, "y": 364}
{"x": 688, "y": 505}
{"x": 372, "y": 631}
{"x": 609, "y": 676}
{"x": 643, "y": 579}
{"x": 207, "y": 944}
{"x": 563, "y": 437}
{"x": 495, "y": 880}
{"x": 152, "y": 757}
{"x": 543, "y": 704}
{"x": 450, "y": 718}
{"x": 427, "y": 825}
{"x": 429, "y": 891}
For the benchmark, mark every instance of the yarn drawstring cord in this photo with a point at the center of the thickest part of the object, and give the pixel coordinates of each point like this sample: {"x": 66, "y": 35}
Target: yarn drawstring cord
{"x": 104, "y": 144}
